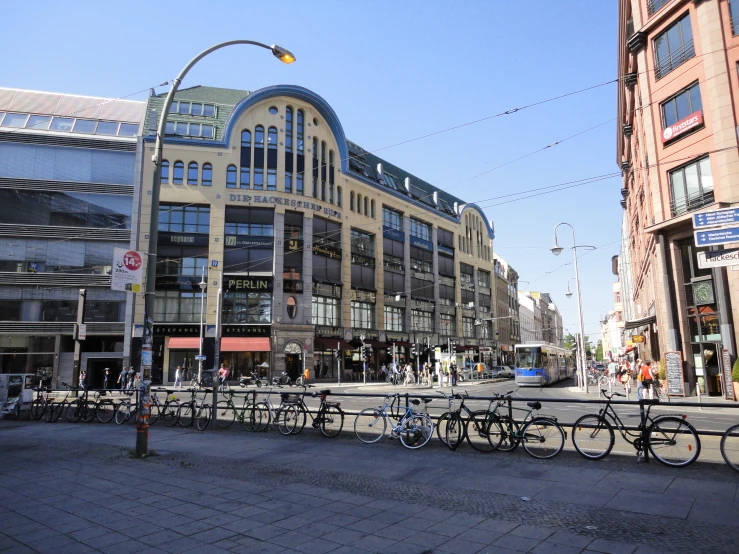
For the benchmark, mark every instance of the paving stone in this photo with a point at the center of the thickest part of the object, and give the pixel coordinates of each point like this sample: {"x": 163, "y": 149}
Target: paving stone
{"x": 532, "y": 532}
{"x": 106, "y": 540}
{"x": 344, "y": 536}
{"x": 570, "y": 539}
{"x": 374, "y": 543}
{"x": 516, "y": 542}
{"x": 460, "y": 545}
{"x": 160, "y": 537}
{"x": 611, "y": 547}
{"x": 496, "y": 525}
{"x": 427, "y": 539}
{"x": 317, "y": 546}
{"x": 547, "y": 547}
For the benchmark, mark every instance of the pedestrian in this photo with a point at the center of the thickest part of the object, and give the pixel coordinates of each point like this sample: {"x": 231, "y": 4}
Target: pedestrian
{"x": 122, "y": 378}
{"x": 178, "y": 377}
{"x": 106, "y": 375}
{"x": 83, "y": 379}
{"x": 131, "y": 373}
{"x": 437, "y": 371}
{"x": 453, "y": 373}
{"x": 223, "y": 374}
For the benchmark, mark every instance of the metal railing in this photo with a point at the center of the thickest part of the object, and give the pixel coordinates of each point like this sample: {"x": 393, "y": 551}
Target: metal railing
{"x": 674, "y": 59}
{"x": 655, "y": 5}
{"x": 690, "y": 203}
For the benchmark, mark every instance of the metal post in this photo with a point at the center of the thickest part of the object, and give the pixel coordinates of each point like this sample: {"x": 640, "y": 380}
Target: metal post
{"x": 147, "y": 343}
{"x": 579, "y": 313}
{"x": 77, "y": 346}
{"x": 217, "y": 354}
{"x": 338, "y": 360}
{"x": 202, "y": 310}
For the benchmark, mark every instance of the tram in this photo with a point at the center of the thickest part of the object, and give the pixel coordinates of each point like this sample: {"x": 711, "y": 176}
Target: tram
{"x": 541, "y": 363}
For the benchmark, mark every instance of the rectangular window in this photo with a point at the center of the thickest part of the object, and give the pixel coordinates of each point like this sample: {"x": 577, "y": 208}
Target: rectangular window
{"x": 483, "y": 278}
{"x": 447, "y": 292}
{"x": 446, "y": 265}
{"x": 673, "y": 47}
{"x": 448, "y": 324}
{"x": 420, "y": 229}
{"x": 681, "y": 105}
{"x": 17, "y": 120}
{"x": 181, "y": 266}
{"x": 245, "y": 177}
{"x": 326, "y": 233}
{"x": 422, "y": 289}
{"x": 177, "y": 307}
{"x": 691, "y": 187}
{"x": 271, "y": 179}
{"x": 57, "y": 124}
{"x": 326, "y": 311}
{"x": 299, "y": 184}
{"x": 734, "y": 14}
{"x": 421, "y": 260}
{"x": 468, "y": 326}
{"x": 485, "y": 301}
{"x": 288, "y": 181}
{"x": 363, "y": 315}
{"x": 363, "y": 277}
{"x": 247, "y": 307}
{"x": 258, "y": 178}
{"x": 394, "y": 319}
{"x": 392, "y": 219}
{"x": 184, "y": 219}
{"x": 655, "y": 5}
{"x": 40, "y": 122}
{"x": 394, "y": 283}
{"x": 363, "y": 243}
{"x": 422, "y": 321}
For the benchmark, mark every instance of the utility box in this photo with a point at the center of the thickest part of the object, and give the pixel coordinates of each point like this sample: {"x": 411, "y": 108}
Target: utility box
{"x": 16, "y": 392}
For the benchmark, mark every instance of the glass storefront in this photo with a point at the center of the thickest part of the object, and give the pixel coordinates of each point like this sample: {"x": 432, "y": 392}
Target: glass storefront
{"x": 242, "y": 364}
{"x": 28, "y": 354}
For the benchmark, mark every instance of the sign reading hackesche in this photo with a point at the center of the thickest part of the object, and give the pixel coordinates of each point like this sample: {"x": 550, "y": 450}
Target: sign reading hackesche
{"x": 292, "y": 203}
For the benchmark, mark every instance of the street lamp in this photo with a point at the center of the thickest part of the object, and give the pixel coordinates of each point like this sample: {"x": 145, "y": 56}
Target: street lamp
{"x": 568, "y": 294}
{"x": 203, "y": 285}
{"x": 557, "y": 250}
{"x": 142, "y": 419}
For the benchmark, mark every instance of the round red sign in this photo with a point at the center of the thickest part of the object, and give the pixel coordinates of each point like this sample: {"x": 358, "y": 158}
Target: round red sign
{"x": 132, "y": 260}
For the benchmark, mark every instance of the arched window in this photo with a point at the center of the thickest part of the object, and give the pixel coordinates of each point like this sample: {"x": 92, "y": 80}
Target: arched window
{"x": 323, "y": 170}
{"x": 246, "y": 138}
{"x": 338, "y": 196}
{"x": 207, "y": 176}
{"x": 272, "y": 138}
{"x": 164, "y": 178}
{"x": 315, "y": 167}
{"x": 372, "y": 208}
{"x": 192, "y": 173}
{"x": 366, "y": 206}
{"x": 179, "y": 173}
{"x": 331, "y": 176}
{"x": 359, "y": 203}
{"x": 301, "y": 117}
{"x": 259, "y": 137}
{"x": 351, "y": 200}
{"x": 231, "y": 177}
{"x": 288, "y": 129}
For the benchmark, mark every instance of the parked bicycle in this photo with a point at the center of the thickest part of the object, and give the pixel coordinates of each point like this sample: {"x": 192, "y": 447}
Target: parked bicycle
{"x": 87, "y": 410}
{"x": 414, "y": 429}
{"x": 194, "y": 411}
{"x": 542, "y": 436}
{"x": 55, "y": 410}
{"x": 329, "y": 418}
{"x": 249, "y": 415}
{"x": 41, "y": 403}
{"x": 670, "y": 439}
{"x": 730, "y": 447}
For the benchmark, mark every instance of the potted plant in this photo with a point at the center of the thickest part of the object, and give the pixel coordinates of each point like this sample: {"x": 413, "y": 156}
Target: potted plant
{"x": 735, "y": 379}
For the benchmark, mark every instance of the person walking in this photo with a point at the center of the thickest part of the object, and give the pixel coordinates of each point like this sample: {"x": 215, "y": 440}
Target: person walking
{"x": 453, "y": 373}
{"x": 178, "y": 377}
{"x": 122, "y": 378}
{"x": 106, "y": 375}
{"x": 223, "y": 374}
{"x": 437, "y": 371}
{"x": 83, "y": 379}
{"x": 131, "y": 373}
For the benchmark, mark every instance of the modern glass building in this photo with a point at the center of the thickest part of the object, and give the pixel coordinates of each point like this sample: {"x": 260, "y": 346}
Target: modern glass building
{"x": 68, "y": 196}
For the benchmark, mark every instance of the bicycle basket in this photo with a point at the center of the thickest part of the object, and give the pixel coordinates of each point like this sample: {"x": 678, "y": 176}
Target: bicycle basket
{"x": 290, "y": 398}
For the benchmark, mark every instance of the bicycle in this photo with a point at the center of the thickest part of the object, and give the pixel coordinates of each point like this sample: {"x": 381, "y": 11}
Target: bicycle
{"x": 55, "y": 410}
{"x": 41, "y": 403}
{"x": 667, "y": 437}
{"x": 450, "y": 426}
{"x": 250, "y": 415}
{"x": 194, "y": 411}
{"x": 329, "y": 418}
{"x": 730, "y": 447}
{"x": 542, "y": 436}
{"x": 660, "y": 391}
{"x": 167, "y": 411}
{"x": 87, "y": 410}
{"x": 414, "y": 429}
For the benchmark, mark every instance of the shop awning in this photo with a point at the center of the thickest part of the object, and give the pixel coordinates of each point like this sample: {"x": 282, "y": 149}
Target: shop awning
{"x": 636, "y": 323}
{"x": 330, "y": 344}
{"x": 245, "y": 344}
{"x": 184, "y": 343}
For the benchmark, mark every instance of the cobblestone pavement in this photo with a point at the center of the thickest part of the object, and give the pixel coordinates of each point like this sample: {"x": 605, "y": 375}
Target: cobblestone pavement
{"x": 76, "y": 488}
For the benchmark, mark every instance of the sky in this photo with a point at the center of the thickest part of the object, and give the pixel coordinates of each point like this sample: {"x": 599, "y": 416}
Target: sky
{"x": 394, "y": 72}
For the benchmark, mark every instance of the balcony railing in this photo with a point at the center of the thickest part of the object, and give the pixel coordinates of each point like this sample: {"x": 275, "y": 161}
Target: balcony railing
{"x": 734, "y": 20}
{"x": 655, "y": 5}
{"x": 675, "y": 59}
{"x": 397, "y": 266}
{"x": 690, "y": 203}
{"x": 291, "y": 285}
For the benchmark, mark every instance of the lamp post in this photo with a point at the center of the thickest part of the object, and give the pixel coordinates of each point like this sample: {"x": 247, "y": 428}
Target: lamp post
{"x": 557, "y": 250}
{"x": 142, "y": 419}
{"x": 203, "y": 285}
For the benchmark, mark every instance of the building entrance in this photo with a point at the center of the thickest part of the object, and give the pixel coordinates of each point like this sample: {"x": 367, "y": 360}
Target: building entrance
{"x": 293, "y": 365}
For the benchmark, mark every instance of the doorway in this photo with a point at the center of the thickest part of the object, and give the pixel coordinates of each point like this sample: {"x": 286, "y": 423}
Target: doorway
{"x": 293, "y": 365}
{"x": 96, "y": 372}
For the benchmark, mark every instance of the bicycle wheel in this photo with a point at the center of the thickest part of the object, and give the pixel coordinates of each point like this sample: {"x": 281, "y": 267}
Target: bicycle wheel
{"x": 603, "y": 383}
{"x": 38, "y": 407}
{"x": 417, "y": 431}
{"x": 477, "y": 431}
{"x": 300, "y": 419}
{"x": 441, "y": 424}
{"x": 543, "y": 438}
{"x": 251, "y": 416}
{"x": 730, "y": 447}
{"x": 170, "y": 413}
{"x": 203, "y": 418}
{"x": 74, "y": 411}
{"x": 88, "y": 411}
{"x": 673, "y": 441}
{"x": 593, "y": 437}
{"x": 370, "y": 425}
{"x": 332, "y": 421}
{"x": 123, "y": 412}
{"x": 262, "y": 417}
{"x": 154, "y": 411}
{"x": 287, "y": 418}
{"x": 54, "y": 412}
{"x": 455, "y": 431}
{"x": 504, "y": 432}
{"x": 186, "y": 414}
{"x": 225, "y": 415}
{"x": 105, "y": 411}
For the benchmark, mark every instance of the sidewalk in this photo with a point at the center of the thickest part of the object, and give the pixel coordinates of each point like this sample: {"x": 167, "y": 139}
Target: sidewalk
{"x": 75, "y": 488}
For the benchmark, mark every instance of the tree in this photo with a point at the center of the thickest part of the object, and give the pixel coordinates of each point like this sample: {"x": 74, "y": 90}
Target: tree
{"x": 570, "y": 343}
{"x": 599, "y": 351}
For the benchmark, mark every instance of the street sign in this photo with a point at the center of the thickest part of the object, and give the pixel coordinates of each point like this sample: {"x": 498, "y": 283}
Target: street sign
{"x": 81, "y": 331}
{"x": 200, "y": 358}
{"x": 718, "y": 258}
{"x": 714, "y": 218}
{"x": 716, "y": 236}
{"x": 127, "y": 270}
{"x": 637, "y": 338}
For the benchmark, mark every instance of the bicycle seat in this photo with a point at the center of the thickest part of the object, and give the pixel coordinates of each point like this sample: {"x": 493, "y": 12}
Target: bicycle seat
{"x": 534, "y": 405}
{"x": 326, "y": 391}
{"x": 415, "y": 401}
{"x": 427, "y": 400}
{"x": 618, "y": 394}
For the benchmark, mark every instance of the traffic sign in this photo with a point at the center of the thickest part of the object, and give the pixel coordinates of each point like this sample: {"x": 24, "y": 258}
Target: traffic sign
{"x": 200, "y": 358}
{"x": 715, "y": 218}
{"x": 716, "y": 236}
{"x": 718, "y": 258}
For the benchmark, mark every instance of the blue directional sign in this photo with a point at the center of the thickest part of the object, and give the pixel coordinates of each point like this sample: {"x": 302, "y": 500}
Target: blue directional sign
{"x": 716, "y": 236}
{"x": 726, "y": 216}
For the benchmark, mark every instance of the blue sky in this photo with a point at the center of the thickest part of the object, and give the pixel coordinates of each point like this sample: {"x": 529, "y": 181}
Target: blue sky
{"x": 392, "y": 71}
